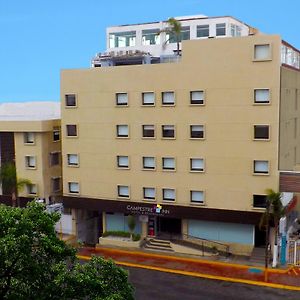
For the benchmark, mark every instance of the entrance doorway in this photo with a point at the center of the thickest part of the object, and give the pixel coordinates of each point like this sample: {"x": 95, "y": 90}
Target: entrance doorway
{"x": 168, "y": 226}
{"x": 260, "y": 237}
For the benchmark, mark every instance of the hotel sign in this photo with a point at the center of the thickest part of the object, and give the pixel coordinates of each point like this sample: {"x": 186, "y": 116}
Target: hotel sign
{"x": 155, "y": 210}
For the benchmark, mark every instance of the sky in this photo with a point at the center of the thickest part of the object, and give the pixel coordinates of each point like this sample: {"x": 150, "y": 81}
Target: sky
{"x": 40, "y": 38}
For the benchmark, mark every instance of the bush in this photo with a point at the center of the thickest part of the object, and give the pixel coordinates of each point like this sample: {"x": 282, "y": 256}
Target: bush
{"x": 135, "y": 237}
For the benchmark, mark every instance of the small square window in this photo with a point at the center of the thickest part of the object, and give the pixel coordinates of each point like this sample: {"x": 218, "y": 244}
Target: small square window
{"x": 149, "y": 131}
{"x": 54, "y": 158}
{"x": 220, "y": 29}
{"x": 148, "y": 162}
{"x": 56, "y": 186}
{"x": 169, "y": 194}
{"x": 122, "y": 162}
{"x": 73, "y": 187}
{"x": 148, "y": 98}
{"x": 202, "y": 30}
{"x": 122, "y": 99}
{"x": 168, "y": 131}
{"x": 70, "y": 100}
{"x": 261, "y": 167}
{"x": 149, "y": 193}
{"x": 123, "y": 191}
{"x": 197, "y": 131}
{"x": 56, "y": 134}
{"x": 73, "y": 159}
{"x": 260, "y": 201}
{"x": 29, "y": 137}
{"x": 71, "y": 130}
{"x": 30, "y": 162}
{"x": 32, "y": 189}
{"x": 261, "y": 96}
{"x": 261, "y": 132}
{"x": 197, "y": 97}
{"x": 168, "y": 163}
{"x": 122, "y": 131}
{"x": 197, "y": 164}
{"x": 197, "y": 197}
{"x": 168, "y": 98}
{"x": 262, "y": 52}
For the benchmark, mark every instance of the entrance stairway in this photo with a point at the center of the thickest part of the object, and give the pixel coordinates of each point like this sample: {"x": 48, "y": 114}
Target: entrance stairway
{"x": 258, "y": 256}
{"x": 158, "y": 245}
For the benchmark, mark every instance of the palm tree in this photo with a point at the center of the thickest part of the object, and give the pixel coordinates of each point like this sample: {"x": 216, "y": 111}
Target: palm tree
{"x": 12, "y": 184}
{"x": 274, "y": 211}
{"x": 173, "y": 29}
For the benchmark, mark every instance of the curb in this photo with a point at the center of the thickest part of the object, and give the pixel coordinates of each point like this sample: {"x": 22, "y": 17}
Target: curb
{"x": 201, "y": 275}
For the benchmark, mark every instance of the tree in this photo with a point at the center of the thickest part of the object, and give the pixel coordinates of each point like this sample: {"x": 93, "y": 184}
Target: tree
{"x": 174, "y": 30}
{"x": 131, "y": 225}
{"x": 274, "y": 211}
{"x": 9, "y": 181}
{"x": 36, "y": 264}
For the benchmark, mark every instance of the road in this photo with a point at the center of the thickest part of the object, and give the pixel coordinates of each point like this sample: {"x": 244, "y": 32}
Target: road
{"x": 154, "y": 285}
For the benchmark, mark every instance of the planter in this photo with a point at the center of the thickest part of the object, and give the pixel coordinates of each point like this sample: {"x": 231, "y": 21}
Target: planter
{"x": 112, "y": 241}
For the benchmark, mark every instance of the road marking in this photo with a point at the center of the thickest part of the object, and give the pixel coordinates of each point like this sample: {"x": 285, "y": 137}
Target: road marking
{"x": 201, "y": 275}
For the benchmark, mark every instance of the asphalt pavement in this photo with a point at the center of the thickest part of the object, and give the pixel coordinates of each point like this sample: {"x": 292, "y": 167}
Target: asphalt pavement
{"x": 155, "y": 285}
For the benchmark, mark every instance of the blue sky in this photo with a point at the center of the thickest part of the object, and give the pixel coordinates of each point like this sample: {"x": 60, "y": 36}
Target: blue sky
{"x": 39, "y": 38}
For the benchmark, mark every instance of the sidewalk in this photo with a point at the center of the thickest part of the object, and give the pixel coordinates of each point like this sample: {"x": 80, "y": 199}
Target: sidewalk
{"x": 286, "y": 279}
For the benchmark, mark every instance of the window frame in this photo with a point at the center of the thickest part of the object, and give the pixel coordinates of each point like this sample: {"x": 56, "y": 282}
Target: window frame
{"x": 28, "y": 141}
{"x": 119, "y": 186}
{"x": 66, "y": 101}
{"x": 68, "y": 160}
{"x": 261, "y": 102}
{"x": 224, "y": 27}
{"x": 259, "y": 206}
{"x": 53, "y": 184}
{"x": 163, "y": 163}
{"x": 148, "y": 104}
{"x": 29, "y": 189}
{"x": 197, "y": 103}
{"x": 27, "y": 162}
{"x": 144, "y": 131}
{"x": 148, "y": 168}
{"x": 122, "y": 136}
{"x": 205, "y": 27}
{"x": 164, "y": 130}
{"x": 149, "y": 198}
{"x": 191, "y": 132}
{"x": 68, "y": 133}
{"x": 118, "y": 104}
{"x": 71, "y": 191}
{"x": 163, "y": 103}
{"x": 255, "y": 59}
{"x": 121, "y": 167}
{"x": 194, "y": 202}
{"x": 255, "y": 138}
{"x": 197, "y": 170}
{"x": 255, "y": 172}
{"x": 167, "y": 199}
{"x": 54, "y": 134}
{"x": 56, "y": 163}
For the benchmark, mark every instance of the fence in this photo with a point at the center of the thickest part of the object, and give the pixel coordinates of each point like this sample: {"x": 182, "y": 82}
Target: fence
{"x": 293, "y": 252}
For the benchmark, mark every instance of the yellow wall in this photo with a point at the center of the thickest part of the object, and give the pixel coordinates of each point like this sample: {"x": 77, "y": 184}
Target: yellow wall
{"x": 225, "y": 69}
{"x": 290, "y": 120}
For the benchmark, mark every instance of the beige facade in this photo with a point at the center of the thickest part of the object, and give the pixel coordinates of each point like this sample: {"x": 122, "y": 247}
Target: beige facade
{"x": 228, "y": 74}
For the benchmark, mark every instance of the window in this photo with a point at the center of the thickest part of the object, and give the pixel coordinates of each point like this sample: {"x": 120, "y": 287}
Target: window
{"x": 55, "y": 184}
{"x": 54, "y": 158}
{"x": 197, "y": 197}
{"x": 220, "y": 29}
{"x": 73, "y": 159}
{"x": 148, "y": 98}
{"x": 235, "y": 30}
{"x": 32, "y": 189}
{"x": 184, "y": 35}
{"x": 197, "y": 164}
{"x": 259, "y": 201}
{"x": 197, "y": 131}
{"x": 121, "y": 99}
{"x": 71, "y": 130}
{"x": 262, "y": 52}
{"x": 197, "y": 97}
{"x": 70, "y": 100}
{"x": 151, "y": 37}
{"x": 168, "y": 163}
{"x": 261, "y": 96}
{"x": 123, "y": 191}
{"x": 149, "y": 193}
{"x": 122, "y": 39}
{"x": 261, "y": 132}
{"x": 29, "y": 137}
{"x": 168, "y": 131}
{"x": 261, "y": 167}
{"x": 148, "y": 131}
{"x": 122, "y": 161}
{"x": 73, "y": 187}
{"x": 122, "y": 131}
{"x": 30, "y": 162}
{"x": 168, "y": 98}
{"x": 169, "y": 194}
{"x": 202, "y": 30}
{"x": 149, "y": 162}
{"x": 56, "y": 134}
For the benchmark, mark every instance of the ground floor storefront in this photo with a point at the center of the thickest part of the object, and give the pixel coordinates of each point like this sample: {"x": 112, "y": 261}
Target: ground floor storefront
{"x": 95, "y": 216}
